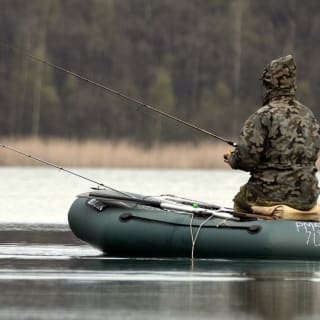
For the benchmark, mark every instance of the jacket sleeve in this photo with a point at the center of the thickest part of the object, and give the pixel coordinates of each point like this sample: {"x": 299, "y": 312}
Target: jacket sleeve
{"x": 247, "y": 154}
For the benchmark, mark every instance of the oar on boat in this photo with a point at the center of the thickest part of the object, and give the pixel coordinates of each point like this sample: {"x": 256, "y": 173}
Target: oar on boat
{"x": 218, "y": 212}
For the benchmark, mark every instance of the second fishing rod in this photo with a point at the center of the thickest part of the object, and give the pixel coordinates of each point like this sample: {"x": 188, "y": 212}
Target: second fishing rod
{"x": 114, "y": 92}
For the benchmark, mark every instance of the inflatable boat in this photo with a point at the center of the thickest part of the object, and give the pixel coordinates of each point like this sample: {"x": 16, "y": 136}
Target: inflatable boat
{"x": 124, "y": 224}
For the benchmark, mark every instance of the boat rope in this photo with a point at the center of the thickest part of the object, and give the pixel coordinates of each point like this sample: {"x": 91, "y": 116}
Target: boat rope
{"x": 251, "y": 229}
{"x": 24, "y": 52}
{"x": 195, "y": 237}
{"x": 100, "y": 185}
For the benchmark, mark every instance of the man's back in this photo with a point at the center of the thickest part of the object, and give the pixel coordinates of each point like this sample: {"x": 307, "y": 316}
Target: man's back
{"x": 293, "y": 134}
{"x": 286, "y": 169}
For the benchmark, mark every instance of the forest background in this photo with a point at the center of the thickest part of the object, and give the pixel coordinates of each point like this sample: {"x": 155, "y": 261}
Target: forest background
{"x": 199, "y": 60}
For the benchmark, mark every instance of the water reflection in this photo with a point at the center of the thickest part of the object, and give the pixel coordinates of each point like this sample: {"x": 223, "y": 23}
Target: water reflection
{"x": 48, "y": 274}
{"x": 260, "y": 299}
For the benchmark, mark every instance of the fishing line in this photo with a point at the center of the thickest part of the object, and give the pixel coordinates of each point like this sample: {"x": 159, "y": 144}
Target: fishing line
{"x": 195, "y": 237}
{"x": 100, "y": 185}
{"x": 116, "y": 93}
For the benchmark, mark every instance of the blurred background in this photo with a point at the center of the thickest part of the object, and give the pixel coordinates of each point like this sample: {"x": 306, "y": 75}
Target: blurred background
{"x": 198, "y": 60}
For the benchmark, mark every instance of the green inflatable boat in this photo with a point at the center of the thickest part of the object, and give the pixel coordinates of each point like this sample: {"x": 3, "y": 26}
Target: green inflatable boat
{"x": 130, "y": 225}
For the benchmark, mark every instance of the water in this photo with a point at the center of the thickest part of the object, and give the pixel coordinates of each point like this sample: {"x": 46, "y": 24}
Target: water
{"x": 46, "y": 273}
{"x": 44, "y": 195}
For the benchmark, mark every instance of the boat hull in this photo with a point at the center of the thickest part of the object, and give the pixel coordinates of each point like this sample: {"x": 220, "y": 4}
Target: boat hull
{"x": 139, "y": 231}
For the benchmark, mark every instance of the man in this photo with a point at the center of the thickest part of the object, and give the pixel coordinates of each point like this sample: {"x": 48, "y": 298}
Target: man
{"x": 279, "y": 146}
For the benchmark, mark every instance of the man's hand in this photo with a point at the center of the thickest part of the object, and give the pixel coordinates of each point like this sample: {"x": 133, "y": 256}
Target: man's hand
{"x": 227, "y": 157}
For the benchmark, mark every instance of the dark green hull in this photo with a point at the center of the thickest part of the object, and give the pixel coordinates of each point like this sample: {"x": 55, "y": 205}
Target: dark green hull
{"x": 140, "y": 231}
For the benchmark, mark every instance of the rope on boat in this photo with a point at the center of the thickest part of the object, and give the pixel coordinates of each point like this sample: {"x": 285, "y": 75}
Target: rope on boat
{"x": 252, "y": 229}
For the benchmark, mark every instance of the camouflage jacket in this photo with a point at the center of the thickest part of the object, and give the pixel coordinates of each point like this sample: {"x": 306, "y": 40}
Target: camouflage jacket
{"x": 279, "y": 146}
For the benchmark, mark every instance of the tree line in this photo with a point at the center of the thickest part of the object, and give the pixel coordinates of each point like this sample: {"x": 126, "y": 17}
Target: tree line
{"x": 198, "y": 60}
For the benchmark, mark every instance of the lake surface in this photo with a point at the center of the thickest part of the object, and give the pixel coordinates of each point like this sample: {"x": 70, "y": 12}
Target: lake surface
{"x": 44, "y": 195}
{"x": 46, "y": 273}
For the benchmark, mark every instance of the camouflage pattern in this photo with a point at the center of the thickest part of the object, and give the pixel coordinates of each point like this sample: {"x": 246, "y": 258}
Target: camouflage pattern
{"x": 279, "y": 78}
{"x": 279, "y": 146}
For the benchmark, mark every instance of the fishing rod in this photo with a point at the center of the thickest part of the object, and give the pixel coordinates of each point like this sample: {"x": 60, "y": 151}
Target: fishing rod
{"x": 117, "y": 93}
{"x": 100, "y": 185}
{"x": 165, "y": 204}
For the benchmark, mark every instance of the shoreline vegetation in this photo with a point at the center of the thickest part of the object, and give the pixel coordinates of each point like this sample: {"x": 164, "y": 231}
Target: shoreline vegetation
{"x": 114, "y": 154}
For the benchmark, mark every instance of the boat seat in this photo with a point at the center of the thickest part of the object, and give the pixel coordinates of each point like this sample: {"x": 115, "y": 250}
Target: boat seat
{"x": 287, "y": 213}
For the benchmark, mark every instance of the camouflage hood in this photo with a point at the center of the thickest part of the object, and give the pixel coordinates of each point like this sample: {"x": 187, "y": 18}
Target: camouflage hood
{"x": 279, "y": 78}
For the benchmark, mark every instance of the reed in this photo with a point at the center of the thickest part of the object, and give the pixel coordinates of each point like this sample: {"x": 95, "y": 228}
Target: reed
{"x": 114, "y": 154}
